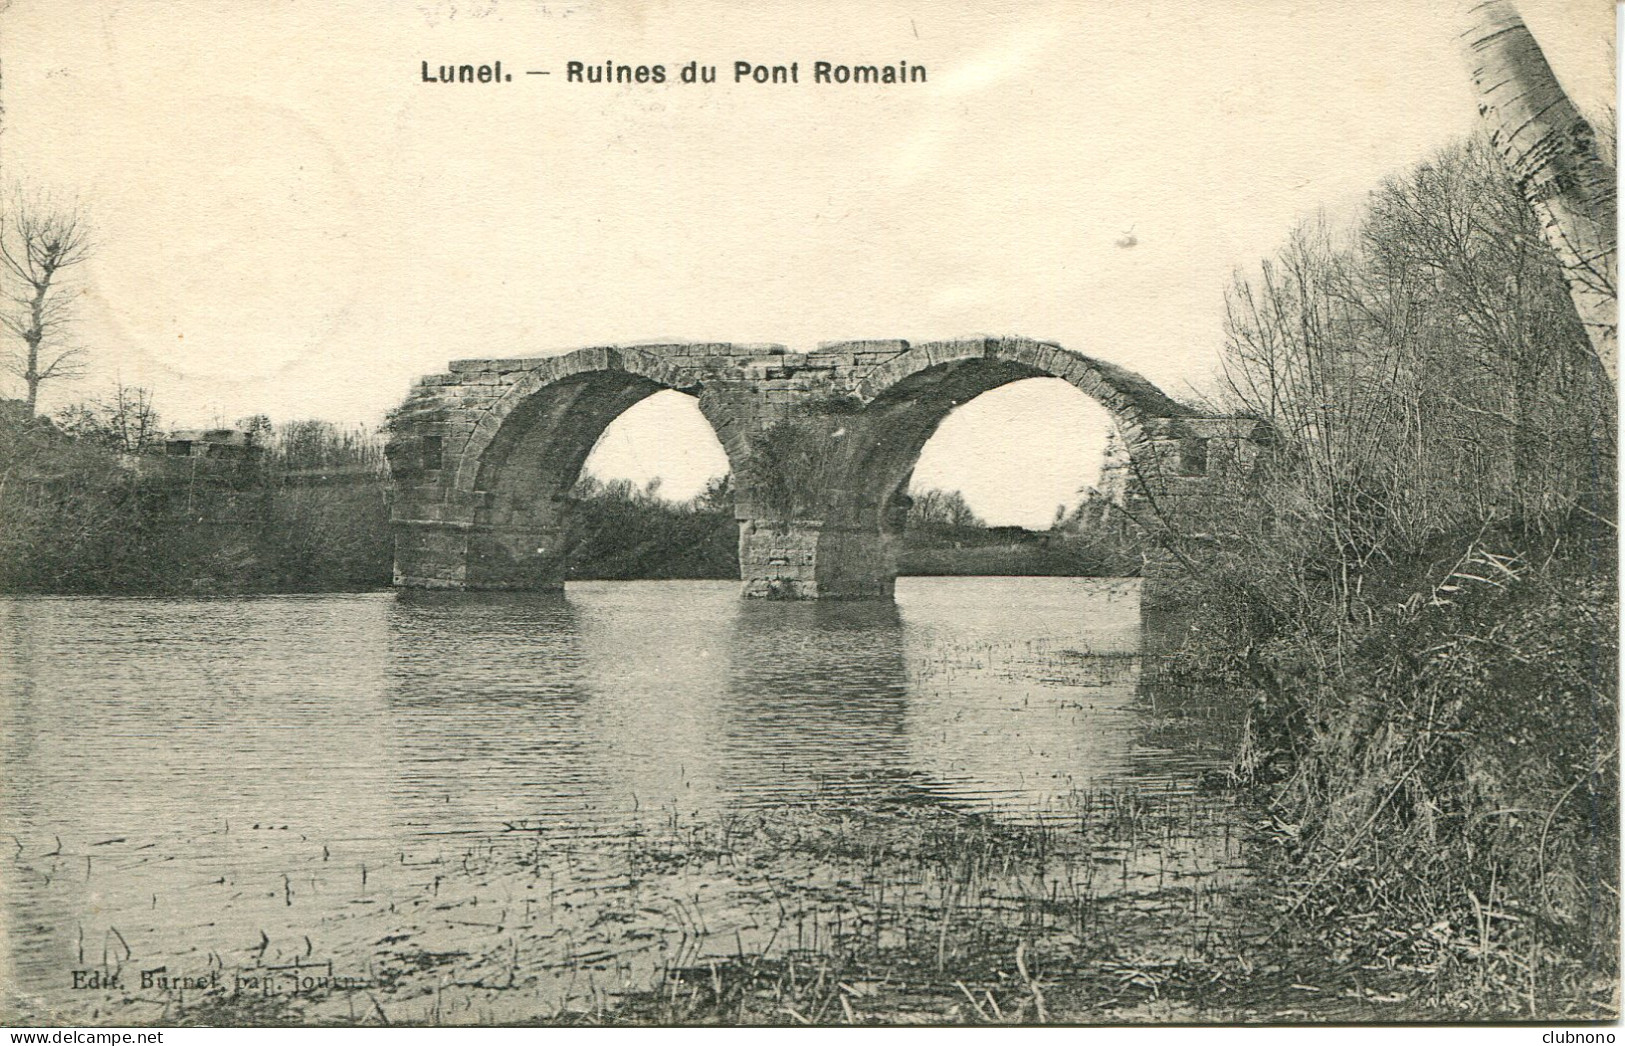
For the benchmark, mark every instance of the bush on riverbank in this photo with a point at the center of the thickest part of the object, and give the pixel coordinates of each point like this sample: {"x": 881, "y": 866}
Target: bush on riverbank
{"x": 1419, "y": 589}
{"x": 618, "y": 532}
{"x": 1443, "y": 781}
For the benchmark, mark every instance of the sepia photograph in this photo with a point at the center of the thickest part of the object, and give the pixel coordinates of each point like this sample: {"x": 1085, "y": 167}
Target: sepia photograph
{"x": 636, "y": 514}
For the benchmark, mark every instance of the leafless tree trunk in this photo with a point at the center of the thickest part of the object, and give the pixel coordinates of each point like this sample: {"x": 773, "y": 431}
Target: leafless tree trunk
{"x": 38, "y": 243}
{"x": 1552, "y": 153}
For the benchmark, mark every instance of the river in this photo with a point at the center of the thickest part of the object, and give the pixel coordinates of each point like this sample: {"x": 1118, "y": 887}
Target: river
{"x": 434, "y": 807}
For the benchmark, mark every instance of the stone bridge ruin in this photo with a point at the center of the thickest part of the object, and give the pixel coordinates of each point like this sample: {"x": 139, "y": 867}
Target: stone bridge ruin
{"x": 821, "y": 445}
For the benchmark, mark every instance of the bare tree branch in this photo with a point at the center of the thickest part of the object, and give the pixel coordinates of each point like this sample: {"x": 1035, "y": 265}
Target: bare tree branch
{"x": 39, "y": 242}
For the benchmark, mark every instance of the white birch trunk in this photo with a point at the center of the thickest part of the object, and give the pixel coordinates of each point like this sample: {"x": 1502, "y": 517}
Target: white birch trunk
{"x": 1551, "y": 152}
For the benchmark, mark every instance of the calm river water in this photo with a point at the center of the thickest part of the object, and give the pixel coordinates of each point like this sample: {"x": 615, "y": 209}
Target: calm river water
{"x": 248, "y": 795}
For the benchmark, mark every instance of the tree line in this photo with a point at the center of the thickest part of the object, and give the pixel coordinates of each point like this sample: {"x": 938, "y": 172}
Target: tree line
{"x": 91, "y": 502}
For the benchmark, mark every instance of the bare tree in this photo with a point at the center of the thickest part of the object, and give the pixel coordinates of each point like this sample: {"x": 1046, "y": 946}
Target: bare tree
{"x": 942, "y": 508}
{"x": 39, "y": 242}
{"x": 1424, "y": 374}
{"x": 126, "y": 422}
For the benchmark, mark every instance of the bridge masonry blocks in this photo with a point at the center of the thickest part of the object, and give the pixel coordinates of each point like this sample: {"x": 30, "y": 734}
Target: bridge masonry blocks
{"x": 821, "y": 444}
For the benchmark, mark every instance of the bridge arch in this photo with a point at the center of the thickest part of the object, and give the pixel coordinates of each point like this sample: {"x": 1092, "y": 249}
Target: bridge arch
{"x": 1139, "y": 407}
{"x": 567, "y": 396}
{"x": 524, "y": 453}
{"x": 908, "y": 398}
{"x": 905, "y": 399}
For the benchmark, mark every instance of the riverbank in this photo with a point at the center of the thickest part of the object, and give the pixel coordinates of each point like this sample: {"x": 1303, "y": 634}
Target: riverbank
{"x": 1440, "y": 781}
{"x": 310, "y": 514}
{"x": 1416, "y": 588}
{"x": 1136, "y": 909}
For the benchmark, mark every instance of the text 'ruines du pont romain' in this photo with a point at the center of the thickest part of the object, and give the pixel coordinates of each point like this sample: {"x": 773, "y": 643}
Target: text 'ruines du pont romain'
{"x": 657, "y": 74}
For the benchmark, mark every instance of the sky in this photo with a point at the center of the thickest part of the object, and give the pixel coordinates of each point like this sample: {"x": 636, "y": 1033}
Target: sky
{"x": 289, "y": 221}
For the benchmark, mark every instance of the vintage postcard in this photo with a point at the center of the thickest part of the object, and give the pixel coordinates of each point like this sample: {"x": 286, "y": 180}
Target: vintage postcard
{"x": 941, "y": 513}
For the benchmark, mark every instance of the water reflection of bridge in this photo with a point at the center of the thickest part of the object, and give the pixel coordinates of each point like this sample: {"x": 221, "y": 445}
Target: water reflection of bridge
{"x": 642, "y": 697}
